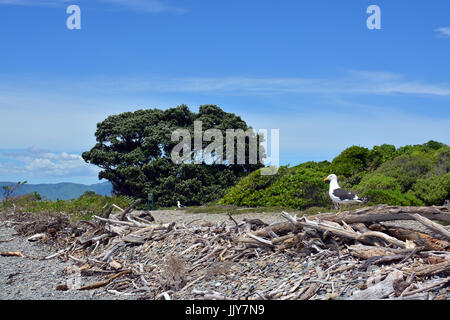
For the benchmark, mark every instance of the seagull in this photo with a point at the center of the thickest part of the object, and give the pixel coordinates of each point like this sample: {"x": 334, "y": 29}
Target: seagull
{"x": 340, "y": 196}
{"x": 180, "y": 205}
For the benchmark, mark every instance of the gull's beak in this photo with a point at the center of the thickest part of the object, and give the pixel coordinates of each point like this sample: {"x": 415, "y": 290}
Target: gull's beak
{"x": 326, "y": 179}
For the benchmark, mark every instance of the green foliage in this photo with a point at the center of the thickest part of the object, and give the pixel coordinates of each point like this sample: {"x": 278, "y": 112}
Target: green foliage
{"x": 442, "y": 161}
{"x": 351, "y": 161}
{"x": 411, "y": 175}
{"x": 379, "y": 155}
{"x": 378, "y": 188}
{"x": 299, "y": 187}
{"x": 380, "y": 182}
{"x": 250, "y": 189}
{"x": 391, "y": 197}
{"x": 425, "y": 148}
{"x": 433, "y": 190}
{"x": 134, "y": 148}
{"x": 407, "y": 169}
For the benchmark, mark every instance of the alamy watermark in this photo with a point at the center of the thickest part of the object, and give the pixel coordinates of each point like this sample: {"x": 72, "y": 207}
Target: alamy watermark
{"x": 74, "y": 20}
{"x": 374, "y": 20}
{"x": 257, "y": 147}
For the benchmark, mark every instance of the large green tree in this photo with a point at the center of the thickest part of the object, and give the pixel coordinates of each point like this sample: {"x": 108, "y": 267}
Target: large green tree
{"x": 134, "y": 149}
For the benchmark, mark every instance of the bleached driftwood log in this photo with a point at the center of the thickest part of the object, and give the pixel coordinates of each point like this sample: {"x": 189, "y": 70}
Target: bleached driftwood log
{"x": 380, "y": 290}
{"x": 387, "y": 213}
{"x": 365, "y": 215}
{"x": 327, "y": 226}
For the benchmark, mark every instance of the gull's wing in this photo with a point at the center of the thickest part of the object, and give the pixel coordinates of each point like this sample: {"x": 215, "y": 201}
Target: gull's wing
{"x": 344, "y": 194}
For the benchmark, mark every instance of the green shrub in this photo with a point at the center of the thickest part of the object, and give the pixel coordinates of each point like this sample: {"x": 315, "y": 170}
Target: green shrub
{"x": 299, "y": 187}
{"x": 381, "y": 189}
{"x": 379, "y": 155}
{"x": 351, "y": 161}
{"x": 442, "y": 161}
{"x": 249, "y": 189}
{"x": 379, "y": 182}
{"x": 391, "y": 197}
{"x": 433, "y": 190}
{"x": 406, "y": 169}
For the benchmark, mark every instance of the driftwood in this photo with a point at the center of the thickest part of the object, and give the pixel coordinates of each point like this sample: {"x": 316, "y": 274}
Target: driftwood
{"x": 367, "y": 252}
{"x": 37, "y": 237}
{"x": 11, "y": 254}
{"x": 377, "y": 245}
{"x": 343, "y": 232}
{"x": 320, "y": 257}
{"x": 108, "y": 212}
{"x": 381, "y": 290}
{"x": 314, "y": 287}
{"x": 420, "y": 239}
{"x": 390, "y": 258}
{"x": 433, "y": 269}
{"x": 429, "y": 285}
{"x": 106, "y": 282}
{"x": 387, "y": 213}
{"x": 127, "y": 210}
{"x": 432, "y": 225}
{"x": 368, "y": 215}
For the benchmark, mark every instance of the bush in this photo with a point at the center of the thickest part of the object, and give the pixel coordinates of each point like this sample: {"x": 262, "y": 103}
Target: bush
{"x": 381, "y": 189}
{"x": 379, "y": 155}
{"x": 249, "y": 190}
{"x": 433, "y": 190}
{"x": 391, "y": 197}
{"x": 442, "y": 161}
{"x": 406, "y": 169}
{"x": 299, "y": 187}
{"x": 351, "y": 161}
{"x": 379, "y": 182}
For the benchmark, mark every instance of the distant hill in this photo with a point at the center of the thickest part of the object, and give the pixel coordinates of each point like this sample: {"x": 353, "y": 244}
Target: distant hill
{"x": 62, "y": 191}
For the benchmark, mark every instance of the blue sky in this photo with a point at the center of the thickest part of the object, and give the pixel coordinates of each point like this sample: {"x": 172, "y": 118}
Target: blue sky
{"x": 309, "y": 68}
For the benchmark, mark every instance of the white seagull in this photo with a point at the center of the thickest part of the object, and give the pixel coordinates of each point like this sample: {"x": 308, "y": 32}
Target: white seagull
{"x": 180, "y": 205}
{"x": 340, "y": 196}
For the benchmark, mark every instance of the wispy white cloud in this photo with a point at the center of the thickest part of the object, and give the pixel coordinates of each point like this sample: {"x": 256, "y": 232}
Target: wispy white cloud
{"x": 149, "y": 6}
{"x": 443, "y": 32}
{"x": 36, "y": 163}
{"x": 354, "y": 82}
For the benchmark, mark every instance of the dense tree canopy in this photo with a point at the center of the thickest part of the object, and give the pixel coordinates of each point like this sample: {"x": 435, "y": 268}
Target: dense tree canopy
{"x": 133, "y": 150}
